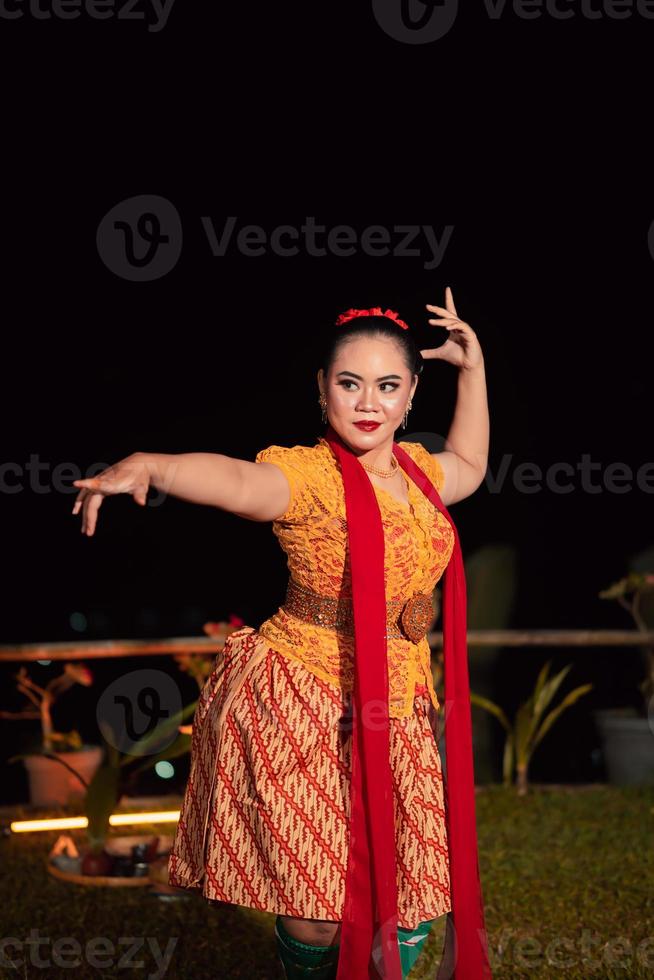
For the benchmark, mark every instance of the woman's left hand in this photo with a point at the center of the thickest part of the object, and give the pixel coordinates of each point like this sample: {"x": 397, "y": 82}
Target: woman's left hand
{"x": 461, "y": 347}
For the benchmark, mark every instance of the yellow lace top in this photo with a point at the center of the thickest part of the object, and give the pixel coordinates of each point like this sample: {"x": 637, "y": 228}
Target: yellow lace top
{"x": 418, "y": 543}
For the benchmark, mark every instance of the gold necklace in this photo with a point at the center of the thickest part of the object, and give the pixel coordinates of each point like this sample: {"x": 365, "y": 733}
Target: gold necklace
{"x": 384, "y": 473}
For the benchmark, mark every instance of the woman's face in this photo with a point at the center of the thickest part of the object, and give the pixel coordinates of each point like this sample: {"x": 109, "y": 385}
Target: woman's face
{"x": 368, "y": 382}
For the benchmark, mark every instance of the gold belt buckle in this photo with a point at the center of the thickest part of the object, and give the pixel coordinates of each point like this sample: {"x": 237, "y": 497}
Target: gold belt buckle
{"x": 412, "y": 621}
{"x": 416, "y": 616}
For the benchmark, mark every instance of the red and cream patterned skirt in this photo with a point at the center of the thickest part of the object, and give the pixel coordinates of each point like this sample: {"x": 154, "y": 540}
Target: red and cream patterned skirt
{"x": 264, "y": 820}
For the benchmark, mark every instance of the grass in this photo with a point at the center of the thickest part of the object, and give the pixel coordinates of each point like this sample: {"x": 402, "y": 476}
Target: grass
{"x": 567, "y": 876}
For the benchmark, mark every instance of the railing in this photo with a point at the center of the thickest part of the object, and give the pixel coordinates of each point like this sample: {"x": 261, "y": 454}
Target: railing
{"x": 98, "y": 649}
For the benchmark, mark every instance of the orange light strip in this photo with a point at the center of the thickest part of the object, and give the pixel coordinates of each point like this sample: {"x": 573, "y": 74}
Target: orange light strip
{"x": 71, "y": 823}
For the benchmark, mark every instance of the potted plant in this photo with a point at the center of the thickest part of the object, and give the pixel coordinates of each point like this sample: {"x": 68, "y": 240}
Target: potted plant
{"x": 55, "y": 766}
{"x": 530, "y": 724}
{"x": 105, "y": 792}
{"x": 627, "y": 733}
{"x": 111, "y": 781}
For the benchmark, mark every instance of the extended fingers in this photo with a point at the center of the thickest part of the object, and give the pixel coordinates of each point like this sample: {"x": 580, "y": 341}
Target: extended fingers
{"x": 87, "y": 487}
{"x": 91, "y": 507}
{"x": 449, "y": 301}
{"x": 451, "y": 323}
{"x": 445, "y": 320}
{"x": 442, "y": 312}
{"x": 80, "y": 500}
{"x": 83, "y": 494}
{"x": 91, "y": 483}
{"x": 449, "y": 309}
{"x": 141, "y": 493}
{"x": 90, "y": 503}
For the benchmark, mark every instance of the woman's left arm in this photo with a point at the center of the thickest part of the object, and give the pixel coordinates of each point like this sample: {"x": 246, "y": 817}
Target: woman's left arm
{"x": 465, "y": 460}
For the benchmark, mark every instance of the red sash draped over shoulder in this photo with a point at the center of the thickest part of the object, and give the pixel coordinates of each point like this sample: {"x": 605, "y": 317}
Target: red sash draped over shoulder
{"x": 368, "y": 944}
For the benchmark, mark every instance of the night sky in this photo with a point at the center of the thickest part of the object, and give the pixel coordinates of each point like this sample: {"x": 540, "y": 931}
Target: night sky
{"x": 528, "y": 170}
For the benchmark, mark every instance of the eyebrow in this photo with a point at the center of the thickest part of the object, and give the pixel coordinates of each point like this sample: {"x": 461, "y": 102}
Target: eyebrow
{"x": 359, "y": 378}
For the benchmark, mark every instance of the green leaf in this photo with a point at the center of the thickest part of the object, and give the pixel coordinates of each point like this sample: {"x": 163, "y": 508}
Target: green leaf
{"x": 113, "y": 754}
{"x": 549, "y": 690}
{"x": 148, "y": 744}
{"x": 524, "y": 721}
{"x": 102, "y": 796}
{"x": 546, "y": 694}
{"x": 493, "y": 708}
{"x": 68, "y": 741}
{"x": 180, "y": 746}
{"x": 540, "y": 680}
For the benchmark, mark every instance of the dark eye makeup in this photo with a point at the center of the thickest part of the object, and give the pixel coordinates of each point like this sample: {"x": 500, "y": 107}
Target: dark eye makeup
{"x": 391, "y": 383}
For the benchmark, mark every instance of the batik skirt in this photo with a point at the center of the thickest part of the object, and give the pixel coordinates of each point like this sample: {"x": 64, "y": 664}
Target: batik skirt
{"x": 264, "y": 819}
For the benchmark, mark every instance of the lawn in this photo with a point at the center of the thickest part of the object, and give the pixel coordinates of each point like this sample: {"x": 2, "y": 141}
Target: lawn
{"x": 567, "y": 876}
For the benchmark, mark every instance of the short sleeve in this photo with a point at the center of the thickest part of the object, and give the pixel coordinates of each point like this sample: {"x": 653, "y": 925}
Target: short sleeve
{"x": 427, "y": 462}
{"x": 295, "y": 464}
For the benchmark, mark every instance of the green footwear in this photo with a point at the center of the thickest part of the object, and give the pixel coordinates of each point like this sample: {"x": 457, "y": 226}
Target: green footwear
{"x": 411, "y": 942}
{"x": 320, "y": 962}
{"x": 303, "y": 960}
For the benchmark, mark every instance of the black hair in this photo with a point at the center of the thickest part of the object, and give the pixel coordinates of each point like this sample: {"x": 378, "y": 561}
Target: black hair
{"x": 372, "y": 326}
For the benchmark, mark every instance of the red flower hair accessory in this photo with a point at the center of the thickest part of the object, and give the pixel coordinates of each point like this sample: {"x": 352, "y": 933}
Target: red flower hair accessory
{"x": 374, "y": 311}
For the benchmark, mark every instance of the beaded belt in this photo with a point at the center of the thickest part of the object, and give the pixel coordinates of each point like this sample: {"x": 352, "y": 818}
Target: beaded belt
{"x": 405, "y": 619}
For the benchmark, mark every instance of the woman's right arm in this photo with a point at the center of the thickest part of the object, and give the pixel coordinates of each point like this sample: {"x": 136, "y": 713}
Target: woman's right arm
{"x": 257, "y": 491}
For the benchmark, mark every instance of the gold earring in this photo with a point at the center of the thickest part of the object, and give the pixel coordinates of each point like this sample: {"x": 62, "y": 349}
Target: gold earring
{"x": 322, "y": 401}
{"x": 406, "y": 414}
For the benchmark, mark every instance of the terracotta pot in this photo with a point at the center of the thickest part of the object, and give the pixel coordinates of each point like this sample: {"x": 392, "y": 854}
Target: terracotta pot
{"x": 51, "y": 783}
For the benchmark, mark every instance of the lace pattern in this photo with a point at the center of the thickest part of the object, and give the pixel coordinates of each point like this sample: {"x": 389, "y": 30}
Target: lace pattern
{"x": 313, "y": 534}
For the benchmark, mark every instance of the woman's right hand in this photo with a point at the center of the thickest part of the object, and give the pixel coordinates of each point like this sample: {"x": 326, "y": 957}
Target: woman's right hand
{"x": 129, "y": 475}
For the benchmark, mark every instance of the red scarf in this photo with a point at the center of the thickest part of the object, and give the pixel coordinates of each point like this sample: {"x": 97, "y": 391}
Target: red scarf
{"x": 368, "y": 944}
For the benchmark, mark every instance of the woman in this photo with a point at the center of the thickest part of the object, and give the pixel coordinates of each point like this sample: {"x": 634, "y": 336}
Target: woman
{"x": 316, "y": 789}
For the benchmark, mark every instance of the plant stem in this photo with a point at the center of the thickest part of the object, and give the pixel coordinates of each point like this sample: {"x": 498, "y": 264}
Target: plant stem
{"x": 521, "y": 773}
{"x": 46, "y": 722}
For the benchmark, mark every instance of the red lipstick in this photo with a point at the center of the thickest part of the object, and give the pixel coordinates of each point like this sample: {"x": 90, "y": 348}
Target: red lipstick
{"x": 367, "y": 426}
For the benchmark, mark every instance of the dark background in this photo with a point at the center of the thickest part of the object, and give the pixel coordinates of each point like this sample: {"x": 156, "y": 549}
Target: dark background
{"x": 528, "y": 137}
